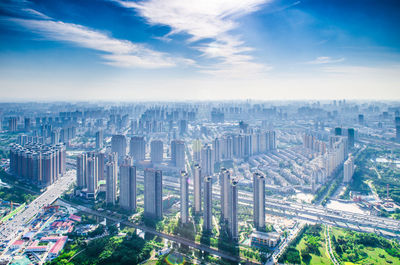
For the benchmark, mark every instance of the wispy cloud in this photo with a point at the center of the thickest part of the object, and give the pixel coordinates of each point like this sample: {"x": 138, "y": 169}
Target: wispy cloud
{"x": 116, "y": 52}
{"x": 326, "y": 60}
{"x": 34, "y": 13}
{"x": 208, "y": 20}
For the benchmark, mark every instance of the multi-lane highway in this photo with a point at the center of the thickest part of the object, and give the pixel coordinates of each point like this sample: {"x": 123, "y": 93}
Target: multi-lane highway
{"x": 12, "y": 228}
{"x": 310, "y": 212}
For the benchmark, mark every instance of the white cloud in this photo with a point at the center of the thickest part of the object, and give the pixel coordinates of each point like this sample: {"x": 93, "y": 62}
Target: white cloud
{"x": 325, "y": 60}
{"x": 205, "y": 20}
{"x": 117, "y": 52}
{"x": 35, "y": 13}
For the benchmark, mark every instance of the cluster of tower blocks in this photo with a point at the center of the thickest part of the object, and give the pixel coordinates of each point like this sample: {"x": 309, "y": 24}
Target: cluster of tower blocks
{"x": 88, "y": 174}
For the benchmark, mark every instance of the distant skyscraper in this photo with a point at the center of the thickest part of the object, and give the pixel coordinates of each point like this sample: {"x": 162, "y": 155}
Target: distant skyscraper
{"x": 184, "y": 197}
{"x": 12, "y": 124}
{"x": 111, "y": 182}
{"x": 91, "y": 178}
{"x": 153, "y": 193}
{"x": 397, "y": 121}
{"x": 361, "y": 118}
{"x": 127, "y": 196}
{"x": 271, "y": 140}
{"x": 228, "y": 148}
{"x": 27, "y": 122}
{"x": 156, "y": 151}
{"x": 178, "y": 154}
{"x": 224, "y": 179}
{"x": 55, "y": 136}
{"x": 196, "y": 146}
{"x": 138, "y": 148}
{"x": 81, "y": 171}
{"x": 118, "y": 145}
{"x": 233, "y": 205}
{"x": 350, "y": 136}
{"x": 398, "y": 133}
{"x": 207, "y": 160}
{"x": 99, "y": 139}
{"x": 259, "y": 200}
{"x": 338, "y": 131}
{"x": 248, "y": 145}
{"x": 197, "y": 188}
{"x": 217, "y": 146}
{"x": 238, "y": 145}
{"x": 22, "y": 139}
{"x": 207, "y": 214}
{"x": 256, "y": 141}
{"x": 348, "y": 170}
{"x": 100, "y": 164}
{"x": 397, "y": 125}
{"x": 217, "y": 116}
{"x": 183, "y": 127}
{"x": 40, "y": 164}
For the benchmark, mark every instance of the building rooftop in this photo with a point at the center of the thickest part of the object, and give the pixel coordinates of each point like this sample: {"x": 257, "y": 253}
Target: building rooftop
{"x": 58, "y": 246}
{"x": 263, "y": 235}
{"x": 75, "y": 218}
{"x": 18, "y": 242}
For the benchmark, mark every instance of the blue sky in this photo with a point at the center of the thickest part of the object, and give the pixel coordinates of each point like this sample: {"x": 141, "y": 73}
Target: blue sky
{"x": 199, "y": 50}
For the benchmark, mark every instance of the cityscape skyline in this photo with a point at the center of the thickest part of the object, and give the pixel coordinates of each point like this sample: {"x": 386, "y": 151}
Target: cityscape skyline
{"x": 214, "y": 182}
{"x": 256, "y": 49}
{"x": 223, "y": 132}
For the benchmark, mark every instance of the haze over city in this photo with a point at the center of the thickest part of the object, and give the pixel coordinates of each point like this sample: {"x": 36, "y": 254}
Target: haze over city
{"x": 172, "y": 132}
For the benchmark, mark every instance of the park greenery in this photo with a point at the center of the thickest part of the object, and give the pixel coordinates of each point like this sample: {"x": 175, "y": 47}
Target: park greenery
{"x": 307, "y": 248}
{"x": 381, "y": 174}
{"x": 363, "y": 248}
{"x": 349, "y": 247}
{"x": 14, "y": 192}
{"x": 112, "y": 249}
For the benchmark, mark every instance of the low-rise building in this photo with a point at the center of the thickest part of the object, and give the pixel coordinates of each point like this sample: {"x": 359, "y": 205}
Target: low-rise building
{"x": 17, "y": 244}
{"x": 35, "y": 247}
{"x": 58, "y": 246}
{"x": 262, "y": 239}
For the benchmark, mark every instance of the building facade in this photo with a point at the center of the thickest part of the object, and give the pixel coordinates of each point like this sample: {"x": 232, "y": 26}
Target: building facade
{"x": 153, "y": 193}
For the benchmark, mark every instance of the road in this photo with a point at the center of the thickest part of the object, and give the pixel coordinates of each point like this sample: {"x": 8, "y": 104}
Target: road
{"x": 282, "y": 247}
{"x": 329, "y": 246}
{"x": 308, "y": 212}
{"x": 146, "y": 229}
{"x": 374, "y": 193}
{"x": 14, "y": 227}
{"x": 372, "y": 141}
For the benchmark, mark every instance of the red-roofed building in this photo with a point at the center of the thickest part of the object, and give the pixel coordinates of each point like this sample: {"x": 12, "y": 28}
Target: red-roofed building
{"x": 34, "y": 247}
{"x": 17, "y": 244}
{"x": 75, "y": 218}
{"x": 50, "y": 238}
{"x": 58, "y": 246}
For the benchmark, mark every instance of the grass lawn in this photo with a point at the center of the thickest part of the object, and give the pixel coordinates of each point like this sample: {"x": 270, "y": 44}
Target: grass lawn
{"x": 378, "y": 256}
{"x": 323, "y": 258}
{"x": 335, "y": 231}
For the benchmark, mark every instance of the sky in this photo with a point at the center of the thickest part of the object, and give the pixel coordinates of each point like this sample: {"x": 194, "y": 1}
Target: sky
{"x": 127, "y": 50}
